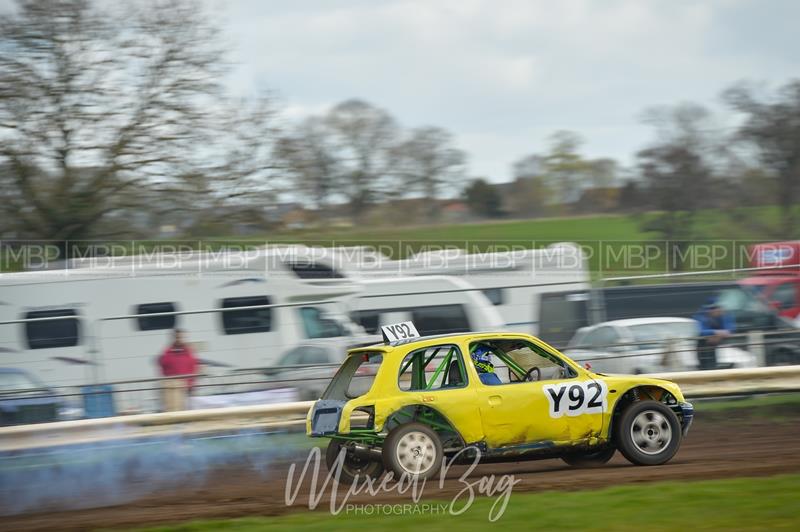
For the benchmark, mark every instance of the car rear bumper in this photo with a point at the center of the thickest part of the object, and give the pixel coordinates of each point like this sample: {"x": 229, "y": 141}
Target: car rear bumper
{"x": 687, "y": 416}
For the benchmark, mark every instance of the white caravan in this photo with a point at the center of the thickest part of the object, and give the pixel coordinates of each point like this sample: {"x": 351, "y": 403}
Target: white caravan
{"x": 92, "y": 340}
{"x": 436, "y": 304}
{"x": 514, "y": 281}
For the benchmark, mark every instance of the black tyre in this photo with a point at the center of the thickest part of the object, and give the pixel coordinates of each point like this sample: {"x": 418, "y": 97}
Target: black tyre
{"x": 414, "y": 450}
{"x": 352, "y": 466}
{"x": 648, "y": 433}
{"x": 782, "y": 357}
{"x": 590, "y": 459}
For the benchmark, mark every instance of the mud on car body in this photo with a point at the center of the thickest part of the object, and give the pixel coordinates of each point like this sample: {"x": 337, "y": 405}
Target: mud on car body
{"x": 407, "y": 404}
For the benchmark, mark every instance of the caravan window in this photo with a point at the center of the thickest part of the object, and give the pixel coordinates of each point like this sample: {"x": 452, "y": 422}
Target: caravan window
{"x": 440, "y": 319}
{"x": 317, "y": 325}
{"x": 561, "y": 314}
{"x": 434, "y": 319}
{"x": 155, "y": 323}
{"x": 52, "y": 333}
{"x": 249, "y": 320}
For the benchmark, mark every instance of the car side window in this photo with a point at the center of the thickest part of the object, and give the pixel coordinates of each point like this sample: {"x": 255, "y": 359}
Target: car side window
{"x": 438, "y": 367}
{"x": 516, "y": 360}
{"x": 292, "y": 358}
{"x": 315, "y": 355}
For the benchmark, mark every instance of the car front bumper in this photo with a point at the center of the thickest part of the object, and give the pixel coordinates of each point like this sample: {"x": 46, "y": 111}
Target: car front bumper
{"x": 687, "y": 416}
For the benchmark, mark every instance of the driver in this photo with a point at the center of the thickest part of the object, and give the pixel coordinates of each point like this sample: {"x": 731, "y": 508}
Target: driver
{"x": 482, "y": 358}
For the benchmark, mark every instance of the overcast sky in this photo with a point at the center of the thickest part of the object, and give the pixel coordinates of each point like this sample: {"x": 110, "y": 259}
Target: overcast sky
{"x": 503, "y": 75}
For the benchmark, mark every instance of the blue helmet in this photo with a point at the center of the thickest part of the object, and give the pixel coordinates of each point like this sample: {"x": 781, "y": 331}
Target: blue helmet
{"x": 482, "y": 357}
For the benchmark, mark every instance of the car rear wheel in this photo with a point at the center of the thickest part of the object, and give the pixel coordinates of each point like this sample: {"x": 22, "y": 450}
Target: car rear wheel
{"x": 590, "y": 459}
{"x": 648, "y": 433}
{"x": 353, "y": 466}
{"x": 414, "y": 450}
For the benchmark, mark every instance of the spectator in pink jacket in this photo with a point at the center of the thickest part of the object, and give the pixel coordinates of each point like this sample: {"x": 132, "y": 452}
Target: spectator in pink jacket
{"x": 178, "y": 359}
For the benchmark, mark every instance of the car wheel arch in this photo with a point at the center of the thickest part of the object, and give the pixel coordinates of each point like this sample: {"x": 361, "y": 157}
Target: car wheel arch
{"x": 425, "y": 414}
{"x": 636, "y": 392}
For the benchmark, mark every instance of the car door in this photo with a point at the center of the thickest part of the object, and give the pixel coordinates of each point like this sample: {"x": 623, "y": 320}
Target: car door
{"x": 437, "y": 376}
{"x": 557, "y": 410}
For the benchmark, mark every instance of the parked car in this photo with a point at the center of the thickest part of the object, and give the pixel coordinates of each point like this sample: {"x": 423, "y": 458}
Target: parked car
{"x": 25, "y": 399}
{"x": 309, "y": 367}
{"x": 647, "y": 345}
{"x": 779, "y": 283}
{"x": 563, "y": 313}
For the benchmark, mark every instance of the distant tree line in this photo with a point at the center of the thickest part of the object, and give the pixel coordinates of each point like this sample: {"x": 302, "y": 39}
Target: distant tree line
{"x": 114, "y": 116}
{"x": 691, "y": 164}
{"x": 358, "y": 154}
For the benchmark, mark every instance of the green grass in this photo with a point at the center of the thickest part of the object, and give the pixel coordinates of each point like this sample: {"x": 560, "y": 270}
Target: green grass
{"x": 603, "y": 237}
{"x": 615, "y": 245}
{"x": 763, "y": 401}
{"x": 739, "y": 504}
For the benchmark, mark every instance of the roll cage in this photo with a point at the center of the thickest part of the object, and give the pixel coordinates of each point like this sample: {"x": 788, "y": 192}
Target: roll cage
{"x": 518, "y": 371}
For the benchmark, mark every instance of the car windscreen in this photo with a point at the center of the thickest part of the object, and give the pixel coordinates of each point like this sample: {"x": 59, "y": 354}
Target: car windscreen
{"x": 355, "y": 376}
{"x": 577, "y": 340}
{"x": 652, "y": 335}
{"x": 748, "y": 310}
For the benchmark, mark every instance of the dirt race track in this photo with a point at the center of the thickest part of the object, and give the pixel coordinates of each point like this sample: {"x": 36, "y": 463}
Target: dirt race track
{"x": 718, "y": 446}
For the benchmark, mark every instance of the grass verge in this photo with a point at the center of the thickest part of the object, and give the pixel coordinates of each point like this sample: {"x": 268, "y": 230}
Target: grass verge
{"x": 737, "y": 504}
{"x": 756, "y": 401}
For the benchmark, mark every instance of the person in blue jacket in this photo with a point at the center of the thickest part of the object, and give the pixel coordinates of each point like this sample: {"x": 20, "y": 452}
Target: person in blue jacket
{"x": 715, "y": 326}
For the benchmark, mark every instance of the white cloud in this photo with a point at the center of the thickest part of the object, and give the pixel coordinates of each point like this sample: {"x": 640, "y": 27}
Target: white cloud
{"x": 503, "y": 74}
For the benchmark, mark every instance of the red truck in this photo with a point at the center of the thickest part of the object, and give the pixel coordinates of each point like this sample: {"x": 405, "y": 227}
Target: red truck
{"x": 779, "y": 282}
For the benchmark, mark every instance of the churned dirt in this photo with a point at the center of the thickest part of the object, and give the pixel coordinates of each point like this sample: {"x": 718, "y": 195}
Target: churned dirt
{"x": 720, "y": 445}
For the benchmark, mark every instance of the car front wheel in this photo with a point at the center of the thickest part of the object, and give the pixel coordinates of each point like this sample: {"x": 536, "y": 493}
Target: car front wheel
{"x": 414, "y": 450}
{"x": 648, "y": 433}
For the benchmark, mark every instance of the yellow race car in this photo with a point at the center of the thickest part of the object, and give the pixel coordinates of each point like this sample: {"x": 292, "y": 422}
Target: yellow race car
{"x": 409, "y": 403}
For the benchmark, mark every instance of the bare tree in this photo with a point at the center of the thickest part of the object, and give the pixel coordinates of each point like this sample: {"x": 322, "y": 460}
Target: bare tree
{"x": 531, "y": 191}
{"x": 483, "y": 199}
{"x": 772, "y": 128}
{"x": 602, "y": 173}
{"x": 308, "y": 155}
{"x": 427, "y": 162}
{"x": 103, "y": 105}
{"x": 565, "y": 169}
{"x": 364, "y": 137}
{"x": 677, "y": 175}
